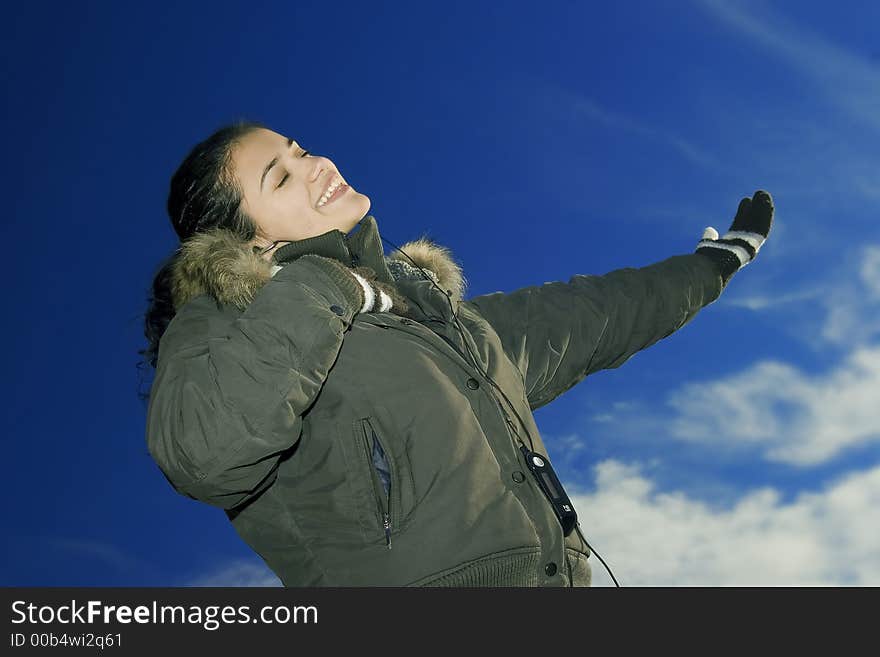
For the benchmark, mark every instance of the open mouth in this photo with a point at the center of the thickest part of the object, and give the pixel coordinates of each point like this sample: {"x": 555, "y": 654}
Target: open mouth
{"x": 334, "y": 190}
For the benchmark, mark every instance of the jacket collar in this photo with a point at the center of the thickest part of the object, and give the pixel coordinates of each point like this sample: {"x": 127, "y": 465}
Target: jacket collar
{"x": 219, "y": 264}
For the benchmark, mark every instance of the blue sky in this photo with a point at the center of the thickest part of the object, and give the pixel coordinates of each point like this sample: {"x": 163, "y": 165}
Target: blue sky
{"x": 536, "y": 142}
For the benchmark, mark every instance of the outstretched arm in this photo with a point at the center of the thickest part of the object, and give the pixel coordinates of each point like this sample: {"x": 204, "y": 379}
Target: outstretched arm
{"x": 558, "y": 333}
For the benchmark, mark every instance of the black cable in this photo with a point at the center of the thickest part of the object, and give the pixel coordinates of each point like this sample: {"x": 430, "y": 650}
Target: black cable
{"x": 490, "y": 380}
{"x": 593, "y": 551}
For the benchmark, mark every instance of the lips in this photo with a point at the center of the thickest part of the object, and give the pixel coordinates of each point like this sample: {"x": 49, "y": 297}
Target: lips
{"x": 330, "y": 181}
{"x": 333, "y": 178}
{"x": 339, "y": 186}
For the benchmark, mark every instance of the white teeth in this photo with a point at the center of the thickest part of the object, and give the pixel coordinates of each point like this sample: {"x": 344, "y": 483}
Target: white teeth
{"x": 326, "y": 195}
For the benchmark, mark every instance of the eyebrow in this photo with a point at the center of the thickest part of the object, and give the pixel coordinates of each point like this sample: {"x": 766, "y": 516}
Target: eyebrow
{"x": 272, "y": 163}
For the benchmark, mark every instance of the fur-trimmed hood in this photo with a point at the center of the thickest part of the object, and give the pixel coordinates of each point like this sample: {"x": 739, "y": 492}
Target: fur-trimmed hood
{"x": 219, "y": 264}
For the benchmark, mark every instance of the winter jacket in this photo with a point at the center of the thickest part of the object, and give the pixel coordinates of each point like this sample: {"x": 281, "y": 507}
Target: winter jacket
{"x": 366, "y": 449}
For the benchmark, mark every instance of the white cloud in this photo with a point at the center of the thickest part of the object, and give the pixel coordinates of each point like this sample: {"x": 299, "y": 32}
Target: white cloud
{"x": 650, "y": 538}
{"x": 793, "y": 417}
{"x": 237, "y": 573}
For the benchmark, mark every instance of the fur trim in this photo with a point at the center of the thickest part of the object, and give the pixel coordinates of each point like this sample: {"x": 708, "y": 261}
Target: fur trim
{"x": 436, "y": 258}
{"x": 219, "y": 264}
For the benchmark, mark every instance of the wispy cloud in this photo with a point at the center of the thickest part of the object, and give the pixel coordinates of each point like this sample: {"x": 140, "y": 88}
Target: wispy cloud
{"x": 843, "y": 310}
{"x": 846, "y": 79}
{"x": 565, "y": 103}
{"x": 237, "y": 573}
{"x": 108, "y": 554}
{"x": 869, "y": 271}
{"x": 766, "y": 301}
{"x": 826, "y": 537}
{"x": 590, "y": 109}
{"x": 853, "y": 306}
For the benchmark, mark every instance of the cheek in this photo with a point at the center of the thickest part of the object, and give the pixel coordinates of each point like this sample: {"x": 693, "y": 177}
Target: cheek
{"x": 296, "y": 206}
{"x": 307, "y": 223}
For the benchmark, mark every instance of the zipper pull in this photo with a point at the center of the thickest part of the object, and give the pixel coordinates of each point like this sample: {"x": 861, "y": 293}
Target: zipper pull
{"x": 387, "y": 525}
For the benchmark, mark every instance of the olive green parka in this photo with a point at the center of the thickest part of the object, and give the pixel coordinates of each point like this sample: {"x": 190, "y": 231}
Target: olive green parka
{"x": 366, "y": 449}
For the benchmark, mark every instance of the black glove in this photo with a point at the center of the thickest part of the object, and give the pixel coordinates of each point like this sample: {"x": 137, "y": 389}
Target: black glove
{"x": 739, "y": 246}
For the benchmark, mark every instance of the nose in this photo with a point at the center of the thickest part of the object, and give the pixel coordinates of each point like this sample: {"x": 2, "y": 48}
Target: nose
{"x": 319, "y": 164}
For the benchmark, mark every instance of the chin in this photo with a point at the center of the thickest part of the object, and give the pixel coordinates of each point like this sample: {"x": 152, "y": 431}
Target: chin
{"x": 364, "y": 202}
{"x": 363, "y": 209}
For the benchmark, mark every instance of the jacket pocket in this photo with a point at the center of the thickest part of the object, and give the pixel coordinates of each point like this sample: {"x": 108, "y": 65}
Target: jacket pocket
{"x": 381, "y": 473}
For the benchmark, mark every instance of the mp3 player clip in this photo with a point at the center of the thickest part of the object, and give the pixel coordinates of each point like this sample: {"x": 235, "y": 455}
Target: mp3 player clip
{"x": 552, "y": 488}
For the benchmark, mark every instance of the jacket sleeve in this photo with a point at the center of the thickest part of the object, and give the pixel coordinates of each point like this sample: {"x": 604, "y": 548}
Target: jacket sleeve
{"x": 231, "y": 387}
{"x": 558, "y": 333}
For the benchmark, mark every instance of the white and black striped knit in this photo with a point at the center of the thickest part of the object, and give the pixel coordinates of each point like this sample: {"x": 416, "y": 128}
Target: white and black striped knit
{"x": 383, "y": 303}
{"x": 739, "y": 246}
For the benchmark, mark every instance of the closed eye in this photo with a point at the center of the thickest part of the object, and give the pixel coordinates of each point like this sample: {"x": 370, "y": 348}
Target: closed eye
{"x": 287, "y": 175}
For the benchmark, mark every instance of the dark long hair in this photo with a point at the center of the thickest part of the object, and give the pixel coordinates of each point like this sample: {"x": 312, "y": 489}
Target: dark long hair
{"x": 204, "y": 194}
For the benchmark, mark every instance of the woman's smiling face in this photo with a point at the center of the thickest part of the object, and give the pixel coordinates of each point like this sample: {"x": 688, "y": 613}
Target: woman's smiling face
{"x": 283, "y": 188}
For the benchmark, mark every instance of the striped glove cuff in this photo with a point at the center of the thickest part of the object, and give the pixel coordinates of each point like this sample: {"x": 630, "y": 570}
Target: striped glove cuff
{"x": 383, "y": 304}
{"x": 377, "y": 297}
{"x": 747, "y": 234}
{"x": 734, "y": 250}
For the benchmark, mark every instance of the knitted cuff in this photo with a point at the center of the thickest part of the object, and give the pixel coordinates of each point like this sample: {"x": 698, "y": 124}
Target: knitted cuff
{"x": 380, "y": 304}
{"x": 732, "y": 252}
{"x": 341, "y": 275}
{"x": 741, "y": 244}
{"x": 369, "y": 295}
{"x": 386, "y": 302}
{"x": 726, "y": 262}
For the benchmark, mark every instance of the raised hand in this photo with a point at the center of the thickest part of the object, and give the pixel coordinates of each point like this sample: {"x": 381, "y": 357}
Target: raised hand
{"x": 748, "y": 232}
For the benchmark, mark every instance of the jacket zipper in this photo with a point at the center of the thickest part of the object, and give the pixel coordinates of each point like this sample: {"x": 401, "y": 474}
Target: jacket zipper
{"x": 383, "y": 501}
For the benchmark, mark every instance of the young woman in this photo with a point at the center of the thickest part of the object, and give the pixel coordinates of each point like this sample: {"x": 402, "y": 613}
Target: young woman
{"x": 359, "y": 421}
